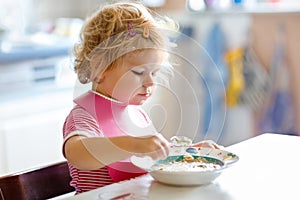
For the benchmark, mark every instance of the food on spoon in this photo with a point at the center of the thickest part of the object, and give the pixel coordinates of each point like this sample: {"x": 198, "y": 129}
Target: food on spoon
{"x": 181, "y": 141}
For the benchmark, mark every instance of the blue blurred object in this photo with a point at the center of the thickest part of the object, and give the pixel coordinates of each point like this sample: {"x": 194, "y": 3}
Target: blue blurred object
{"x": 215, "y": 78}
{"x": 279, "y": 116}
{"x": 237, "y": 1}
{"x": 33, "y": 52}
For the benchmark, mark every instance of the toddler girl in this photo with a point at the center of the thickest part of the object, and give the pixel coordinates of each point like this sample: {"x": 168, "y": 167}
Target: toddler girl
{"x": 123, "y": 52}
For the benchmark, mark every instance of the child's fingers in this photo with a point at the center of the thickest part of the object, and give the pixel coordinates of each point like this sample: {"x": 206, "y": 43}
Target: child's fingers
{"x": 157, "y": 147}
{"x": 164, "y": 147}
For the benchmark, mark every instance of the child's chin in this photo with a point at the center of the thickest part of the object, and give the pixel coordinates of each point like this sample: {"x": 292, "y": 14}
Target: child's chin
{"x": 139, "y": 102}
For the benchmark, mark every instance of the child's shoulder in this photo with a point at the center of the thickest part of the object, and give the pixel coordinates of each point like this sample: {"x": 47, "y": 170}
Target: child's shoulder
{"x": 79, "y": 112}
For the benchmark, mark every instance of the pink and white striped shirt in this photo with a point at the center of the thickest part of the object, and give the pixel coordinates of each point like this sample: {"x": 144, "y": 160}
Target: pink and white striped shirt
{"x": 98, "y": 116}
{"x": 80, "y": 122}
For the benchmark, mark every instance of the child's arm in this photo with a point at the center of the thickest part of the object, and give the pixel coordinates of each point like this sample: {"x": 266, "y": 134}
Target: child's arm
{"x": 94, "y": 153}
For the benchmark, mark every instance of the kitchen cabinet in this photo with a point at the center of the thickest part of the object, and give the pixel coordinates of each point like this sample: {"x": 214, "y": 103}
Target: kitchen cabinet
{"x": 35, "y": 97}
{"x": 31, "y": 130}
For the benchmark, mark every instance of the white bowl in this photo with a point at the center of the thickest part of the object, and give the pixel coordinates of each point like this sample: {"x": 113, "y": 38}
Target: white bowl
{"x": 183, "y": 177}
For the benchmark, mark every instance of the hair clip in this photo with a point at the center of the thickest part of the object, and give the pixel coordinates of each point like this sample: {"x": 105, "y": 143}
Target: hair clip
{"x": 146, "y": 32}
{"x": 131, "y": 30}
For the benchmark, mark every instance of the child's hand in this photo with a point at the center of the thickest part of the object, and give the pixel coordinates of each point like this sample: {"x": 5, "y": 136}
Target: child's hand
{"x": 207, "y": 144}
{"x": 155, "y": 146}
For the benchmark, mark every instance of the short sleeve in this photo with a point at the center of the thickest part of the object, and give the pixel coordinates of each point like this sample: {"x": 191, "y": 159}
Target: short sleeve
{"x": 80, "y": 122}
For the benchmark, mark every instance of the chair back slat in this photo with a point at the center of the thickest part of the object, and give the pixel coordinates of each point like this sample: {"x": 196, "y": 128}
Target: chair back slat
{"x": 42, "y": 183}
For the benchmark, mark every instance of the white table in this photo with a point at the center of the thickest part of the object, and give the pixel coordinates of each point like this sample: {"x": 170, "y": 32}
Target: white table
{"x": 268, "y": 169}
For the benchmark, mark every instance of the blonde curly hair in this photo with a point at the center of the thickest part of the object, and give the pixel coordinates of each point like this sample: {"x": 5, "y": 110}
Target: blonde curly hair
{"x": 115, "y": 30}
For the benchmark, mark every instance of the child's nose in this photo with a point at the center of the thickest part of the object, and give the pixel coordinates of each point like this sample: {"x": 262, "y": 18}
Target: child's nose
{"x": 148, "y": 81}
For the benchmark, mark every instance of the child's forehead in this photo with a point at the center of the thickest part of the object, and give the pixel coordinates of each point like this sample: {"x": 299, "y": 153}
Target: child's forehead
{"x": 146, "y": 56}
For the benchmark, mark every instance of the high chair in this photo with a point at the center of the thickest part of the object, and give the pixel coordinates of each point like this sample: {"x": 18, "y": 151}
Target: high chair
{"x": 35, "y": 184}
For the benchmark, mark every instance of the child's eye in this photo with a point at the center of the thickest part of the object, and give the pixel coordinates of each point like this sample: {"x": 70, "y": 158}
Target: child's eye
{"x": 137, "y": 72}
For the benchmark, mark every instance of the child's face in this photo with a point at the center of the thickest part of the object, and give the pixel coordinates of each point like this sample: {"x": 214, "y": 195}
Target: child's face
{"x": 133, "y": 81}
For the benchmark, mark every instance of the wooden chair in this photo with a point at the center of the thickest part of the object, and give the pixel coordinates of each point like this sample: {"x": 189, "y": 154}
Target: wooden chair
{"x": 40, "y": 183}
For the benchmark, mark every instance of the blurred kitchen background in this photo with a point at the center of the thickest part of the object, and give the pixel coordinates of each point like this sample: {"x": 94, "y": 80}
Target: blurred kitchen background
{"x": 254, "y": 45}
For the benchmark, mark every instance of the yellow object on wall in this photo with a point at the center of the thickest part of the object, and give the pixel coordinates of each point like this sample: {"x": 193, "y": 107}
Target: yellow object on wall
{"x": 236, "y": 83}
